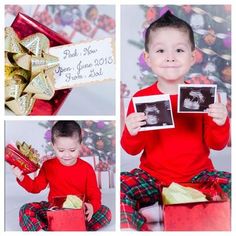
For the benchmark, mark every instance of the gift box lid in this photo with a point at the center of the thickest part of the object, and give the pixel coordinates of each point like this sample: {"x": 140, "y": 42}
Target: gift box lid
{"x": 211, "y": 189}
{"x": 59, "y": 200}
{"x": 14, "y": 157}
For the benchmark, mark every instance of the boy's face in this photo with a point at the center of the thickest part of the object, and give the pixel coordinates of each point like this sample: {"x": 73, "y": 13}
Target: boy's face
{"x": 170, "y": 56}
{"x": 67, "y": 149}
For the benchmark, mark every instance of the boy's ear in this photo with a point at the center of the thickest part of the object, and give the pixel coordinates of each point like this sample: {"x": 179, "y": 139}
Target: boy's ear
{"x": 80, "y": 146}
{"x": 193, "y": 56}
{"x": 147, "y": 58}
{"x": 53, "y": 147}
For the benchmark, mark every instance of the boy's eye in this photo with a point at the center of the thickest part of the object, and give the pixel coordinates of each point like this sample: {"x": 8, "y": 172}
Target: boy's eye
{"x": 179, "y": 50}
{"x": 60, "y": 150}
{"x": 72, "y": 150}
{"x": 160, "y": 51}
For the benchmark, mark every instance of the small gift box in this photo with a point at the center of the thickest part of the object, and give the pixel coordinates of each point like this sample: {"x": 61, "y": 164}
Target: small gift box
{"x": 24, "y": 157}
{"x": 65, "y": 219}
{"x": 24, "y": 39}
{"x": 105, "y": 176}
{"x": 211, "y": 215}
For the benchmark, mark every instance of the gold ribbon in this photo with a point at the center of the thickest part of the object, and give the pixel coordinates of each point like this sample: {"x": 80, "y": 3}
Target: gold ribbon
{"x": 28, "y": 71}
{"x": 28, "y": 151}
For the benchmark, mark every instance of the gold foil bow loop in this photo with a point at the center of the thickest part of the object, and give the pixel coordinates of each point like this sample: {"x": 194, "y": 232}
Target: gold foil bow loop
{"x": 36, "y": 43}
{"x": 21, "y": 105}
{"x": 12, "y": 42}
{"x": 42, "y": 86}
{"x": 16, "y": 81}
{"x": 23, "y": 60}
{"x": 14, "y": 88}
{"x": 28, "y": 151}
{"x": 39, "y": 64}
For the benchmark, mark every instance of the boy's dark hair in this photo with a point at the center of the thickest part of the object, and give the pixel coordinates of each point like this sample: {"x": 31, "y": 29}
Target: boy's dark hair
{"x": 67, "y": 128}
{"x": 169, "y": 20}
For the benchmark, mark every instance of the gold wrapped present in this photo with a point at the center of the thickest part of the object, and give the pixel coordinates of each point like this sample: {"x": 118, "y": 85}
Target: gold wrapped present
{"x": 28, "y": 71}
{"x": 23, "y": 156}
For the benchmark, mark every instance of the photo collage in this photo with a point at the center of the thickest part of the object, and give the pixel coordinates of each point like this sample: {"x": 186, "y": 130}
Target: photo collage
{"x": 117, "y": 117}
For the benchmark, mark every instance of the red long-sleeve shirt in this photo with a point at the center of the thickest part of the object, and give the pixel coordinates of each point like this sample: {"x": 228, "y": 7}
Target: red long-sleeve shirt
{"x": 176, "y": 154}
{"x": 78, "y": 179}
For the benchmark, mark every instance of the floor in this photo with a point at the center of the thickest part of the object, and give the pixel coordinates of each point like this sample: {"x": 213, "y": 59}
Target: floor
{"x": 15, "y": 197}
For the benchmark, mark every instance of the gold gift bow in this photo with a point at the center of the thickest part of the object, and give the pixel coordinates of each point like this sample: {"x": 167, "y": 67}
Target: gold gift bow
{"x": 28, "y": 151}
{"x": 28, "y": 71}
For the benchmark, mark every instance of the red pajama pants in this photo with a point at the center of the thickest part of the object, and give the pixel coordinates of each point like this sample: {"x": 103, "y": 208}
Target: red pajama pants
{"x": 139, "y": 189}
{"x": 33, "y": 217}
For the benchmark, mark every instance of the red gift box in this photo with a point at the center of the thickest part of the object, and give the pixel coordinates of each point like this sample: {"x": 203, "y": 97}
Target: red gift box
{"x": 14, "y": 157}
{"x": 25, "y": 26}
{"x": 201, "y": 216}
{"x": 60, "y": 219}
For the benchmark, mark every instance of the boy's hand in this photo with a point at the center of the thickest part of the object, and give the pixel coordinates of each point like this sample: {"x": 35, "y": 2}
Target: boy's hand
{"x": 134, "y": 121}
{"x": 17, "y": 172}
{"x": 88, "y": 210}
{"x": 218, "y": 112}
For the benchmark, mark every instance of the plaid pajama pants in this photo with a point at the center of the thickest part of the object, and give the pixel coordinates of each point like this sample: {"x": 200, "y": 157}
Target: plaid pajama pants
{"x": 33, "y": 217}
{"x": 139, "y": 189}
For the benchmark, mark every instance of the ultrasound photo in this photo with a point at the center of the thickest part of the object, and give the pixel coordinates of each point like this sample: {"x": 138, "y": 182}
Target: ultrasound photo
{"x": 157, "y": 109}
{"x": 196, "y": 98}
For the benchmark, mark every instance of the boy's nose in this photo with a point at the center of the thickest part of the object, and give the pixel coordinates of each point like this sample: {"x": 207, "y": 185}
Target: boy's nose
{"x": 66, "y": 154}
{"x": 170, "y": 60}
{"x": 170, "y": 57}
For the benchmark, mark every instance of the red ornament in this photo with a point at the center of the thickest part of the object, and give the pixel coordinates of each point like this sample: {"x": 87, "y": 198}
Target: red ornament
{"x": 113, "y": 142}
{"x": 88, "y": 123}
{"x": 227, "y": 8}
{"x": 226, "y": 74}
{"x": 82, "y": 26}
{"x": 44, "y": 18}
{"x": 198, "y": 56}
{"x": 187, "y": 8}
{"x": 210, "y": 37}
{"x": 100, "y": 144}
{"x": 200, "y": 80}
{"x": 151, "y": 14}
{"x": 102, "y": 166}
{"x": 228, "y": 106}
{"x": 92, "y": 13}
{"x": 85, "y": 151}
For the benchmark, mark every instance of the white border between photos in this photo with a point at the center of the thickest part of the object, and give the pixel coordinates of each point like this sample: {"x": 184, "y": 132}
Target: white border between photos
{"x": 118, "y": 3}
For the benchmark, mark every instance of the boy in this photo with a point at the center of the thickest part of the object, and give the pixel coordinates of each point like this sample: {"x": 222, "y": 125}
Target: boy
{"x": 177, "y": 155}
{"x": 65, "y": 175}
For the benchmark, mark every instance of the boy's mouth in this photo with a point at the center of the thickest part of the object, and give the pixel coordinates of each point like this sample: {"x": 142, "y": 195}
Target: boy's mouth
{"x": 170, "y": 67}
{"x": 66, "y": 159}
